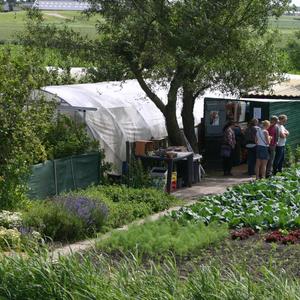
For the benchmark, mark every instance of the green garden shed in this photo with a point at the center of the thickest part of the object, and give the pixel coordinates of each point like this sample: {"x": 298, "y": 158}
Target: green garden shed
{"x": 284, "y": 99}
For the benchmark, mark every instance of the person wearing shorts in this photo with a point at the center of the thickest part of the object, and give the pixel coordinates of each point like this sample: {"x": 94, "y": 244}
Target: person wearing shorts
{"x": 262, "y": 150}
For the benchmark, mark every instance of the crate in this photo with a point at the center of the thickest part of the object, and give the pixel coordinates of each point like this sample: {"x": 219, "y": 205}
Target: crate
{"x": 143, "y": 147}
{"x": 159, "y": 177}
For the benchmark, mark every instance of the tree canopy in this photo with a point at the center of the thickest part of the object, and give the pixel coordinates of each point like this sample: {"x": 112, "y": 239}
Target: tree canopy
{"x": 188, "y": 46}
{"x": 192, "y": 46}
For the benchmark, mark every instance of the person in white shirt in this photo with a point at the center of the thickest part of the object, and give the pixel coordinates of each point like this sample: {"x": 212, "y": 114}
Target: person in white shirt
{"x": 280, "y": 148}
{"x": 262, "y": 150}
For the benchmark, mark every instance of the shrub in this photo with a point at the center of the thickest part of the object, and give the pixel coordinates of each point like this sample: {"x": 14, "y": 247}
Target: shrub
{"x": 157, "y": 200}
{"x": 67, "y": 137}
{"x": 90, "y": 211}
{"x": 66, "y": 217}
{"x": 127, "y": 204}
{"x": 54, "y": 222}
{"x": 125, "y": 212}
{"x": 162, "y": 237}
{"x": 10, "y": 219}
{"x": 137, "y": 177}
{"x": 21, "y": 123}
{"x": 9, "y": 238}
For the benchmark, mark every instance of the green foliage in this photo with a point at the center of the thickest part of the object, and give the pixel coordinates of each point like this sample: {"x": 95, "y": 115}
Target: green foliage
{"x": 297, "y": 154}
{"x": 137, "y": 177}
{"x": 164, "y": 237}
{"x": 156, "y": 199}
{"x": 262, "y": 204}
{"x": 293, "y": 51}
{"x": 193, "y": 45}
{"x": 22, "y": 120}
{"x": 10, "y": 219}
{"x": 289, "y": 157}
{"x": 122, "y": 213}
{"x": 54, "y": 222}
{"x": 65, "y": 137}
{"x": 113, "y": 206}
{"x": 128, "y": 204}
{"x": 64, "y": 47}
{"x": 92, "y": 277}
{"x": 9, "y": 238}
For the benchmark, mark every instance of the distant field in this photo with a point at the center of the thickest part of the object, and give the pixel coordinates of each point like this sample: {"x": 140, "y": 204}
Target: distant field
{"x": 11, "y": 23}
{"x": 287, "y": 25}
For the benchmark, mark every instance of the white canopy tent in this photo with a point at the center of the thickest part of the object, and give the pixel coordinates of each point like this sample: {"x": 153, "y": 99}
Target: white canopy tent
{"x": 116, "y": 112}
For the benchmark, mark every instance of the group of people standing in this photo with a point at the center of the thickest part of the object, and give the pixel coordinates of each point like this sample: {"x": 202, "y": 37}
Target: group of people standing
{"x": 265, "y": 146}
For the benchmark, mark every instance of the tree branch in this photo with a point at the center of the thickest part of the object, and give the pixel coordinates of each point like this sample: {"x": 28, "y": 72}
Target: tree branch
{"x": 153, "y": 97}
{"x": 175, "y": 85}
{"x": 201, "y": 90}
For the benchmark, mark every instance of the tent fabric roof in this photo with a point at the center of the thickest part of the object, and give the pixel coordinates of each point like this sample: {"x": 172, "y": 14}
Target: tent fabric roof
{"x": 124, "y": 113}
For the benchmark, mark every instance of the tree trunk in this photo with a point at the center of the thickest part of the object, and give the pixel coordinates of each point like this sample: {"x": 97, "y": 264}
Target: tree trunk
{"x": 188, "y": 120}
{"x": 175, "y": 136}
{"x": 169, "y": 110}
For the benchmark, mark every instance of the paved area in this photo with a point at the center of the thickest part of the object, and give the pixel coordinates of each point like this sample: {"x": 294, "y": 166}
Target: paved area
{"x": 212, "y": 184}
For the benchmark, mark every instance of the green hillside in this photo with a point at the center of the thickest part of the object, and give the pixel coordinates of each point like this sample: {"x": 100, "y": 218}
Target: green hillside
{"x": 13, "y": 22}
{"x": 287, "y": 25}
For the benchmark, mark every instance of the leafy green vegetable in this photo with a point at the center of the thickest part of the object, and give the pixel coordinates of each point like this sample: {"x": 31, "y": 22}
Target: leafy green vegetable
{"x": 261, "y": 204}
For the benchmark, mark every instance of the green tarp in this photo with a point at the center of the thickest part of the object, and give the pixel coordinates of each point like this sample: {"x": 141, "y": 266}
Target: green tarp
{"x": 62, "y": 175}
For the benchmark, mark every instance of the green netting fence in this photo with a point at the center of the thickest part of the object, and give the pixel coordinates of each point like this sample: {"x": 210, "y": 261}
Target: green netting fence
{"x": 62, "y": 175}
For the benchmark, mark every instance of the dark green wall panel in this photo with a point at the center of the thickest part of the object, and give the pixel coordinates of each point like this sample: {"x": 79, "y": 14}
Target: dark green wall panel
{"x": 292, "y": 110}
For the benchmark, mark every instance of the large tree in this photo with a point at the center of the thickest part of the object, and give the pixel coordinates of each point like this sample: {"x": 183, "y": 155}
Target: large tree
{"x": 187, "y": 46}
{"x": 191, "y": 46}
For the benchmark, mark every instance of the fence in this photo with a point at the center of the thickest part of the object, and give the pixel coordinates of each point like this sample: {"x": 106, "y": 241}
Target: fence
{"x": 61, "y": 175}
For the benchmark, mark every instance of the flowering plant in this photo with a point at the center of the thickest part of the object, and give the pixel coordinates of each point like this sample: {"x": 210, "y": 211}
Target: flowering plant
{"x": 92, "y": 212}
{"x": 9, "y": 238}
{"x": 10, "y": 219}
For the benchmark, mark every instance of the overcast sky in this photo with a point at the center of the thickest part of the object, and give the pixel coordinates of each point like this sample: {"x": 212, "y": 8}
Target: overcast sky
{"x": 297, "y": 2}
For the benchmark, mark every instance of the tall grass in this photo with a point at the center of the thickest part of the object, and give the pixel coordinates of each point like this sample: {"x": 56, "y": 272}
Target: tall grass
{"x": 81, "y": 277}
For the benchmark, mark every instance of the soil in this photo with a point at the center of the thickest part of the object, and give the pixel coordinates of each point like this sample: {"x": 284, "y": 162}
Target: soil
{"x": 252, "y": 255}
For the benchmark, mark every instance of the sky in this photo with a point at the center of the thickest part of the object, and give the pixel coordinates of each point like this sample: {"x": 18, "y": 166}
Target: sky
{"x": 297, "y": 2}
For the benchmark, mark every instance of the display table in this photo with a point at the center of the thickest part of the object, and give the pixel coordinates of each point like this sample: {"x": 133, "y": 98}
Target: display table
{"x": 181, "y": 156}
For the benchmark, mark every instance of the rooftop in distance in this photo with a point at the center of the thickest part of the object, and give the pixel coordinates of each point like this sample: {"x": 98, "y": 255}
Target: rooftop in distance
{"x": 71, "y": 5}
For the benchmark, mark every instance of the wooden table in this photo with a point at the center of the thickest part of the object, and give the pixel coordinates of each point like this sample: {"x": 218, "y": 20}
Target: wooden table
{"x": 181, "y": 156}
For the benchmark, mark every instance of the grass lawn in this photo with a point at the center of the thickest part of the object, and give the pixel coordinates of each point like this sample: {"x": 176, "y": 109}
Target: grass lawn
{"x": 13, "y": 22}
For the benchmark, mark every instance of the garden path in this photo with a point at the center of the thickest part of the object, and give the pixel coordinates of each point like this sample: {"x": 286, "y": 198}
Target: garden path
{"x": 213, "y": 183}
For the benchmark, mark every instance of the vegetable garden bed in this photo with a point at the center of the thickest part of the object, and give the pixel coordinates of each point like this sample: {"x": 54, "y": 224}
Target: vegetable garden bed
{"x": 261, "y": 205}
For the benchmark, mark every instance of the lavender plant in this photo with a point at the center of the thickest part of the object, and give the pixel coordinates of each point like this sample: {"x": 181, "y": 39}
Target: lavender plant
{"x": 91, "y": 212}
